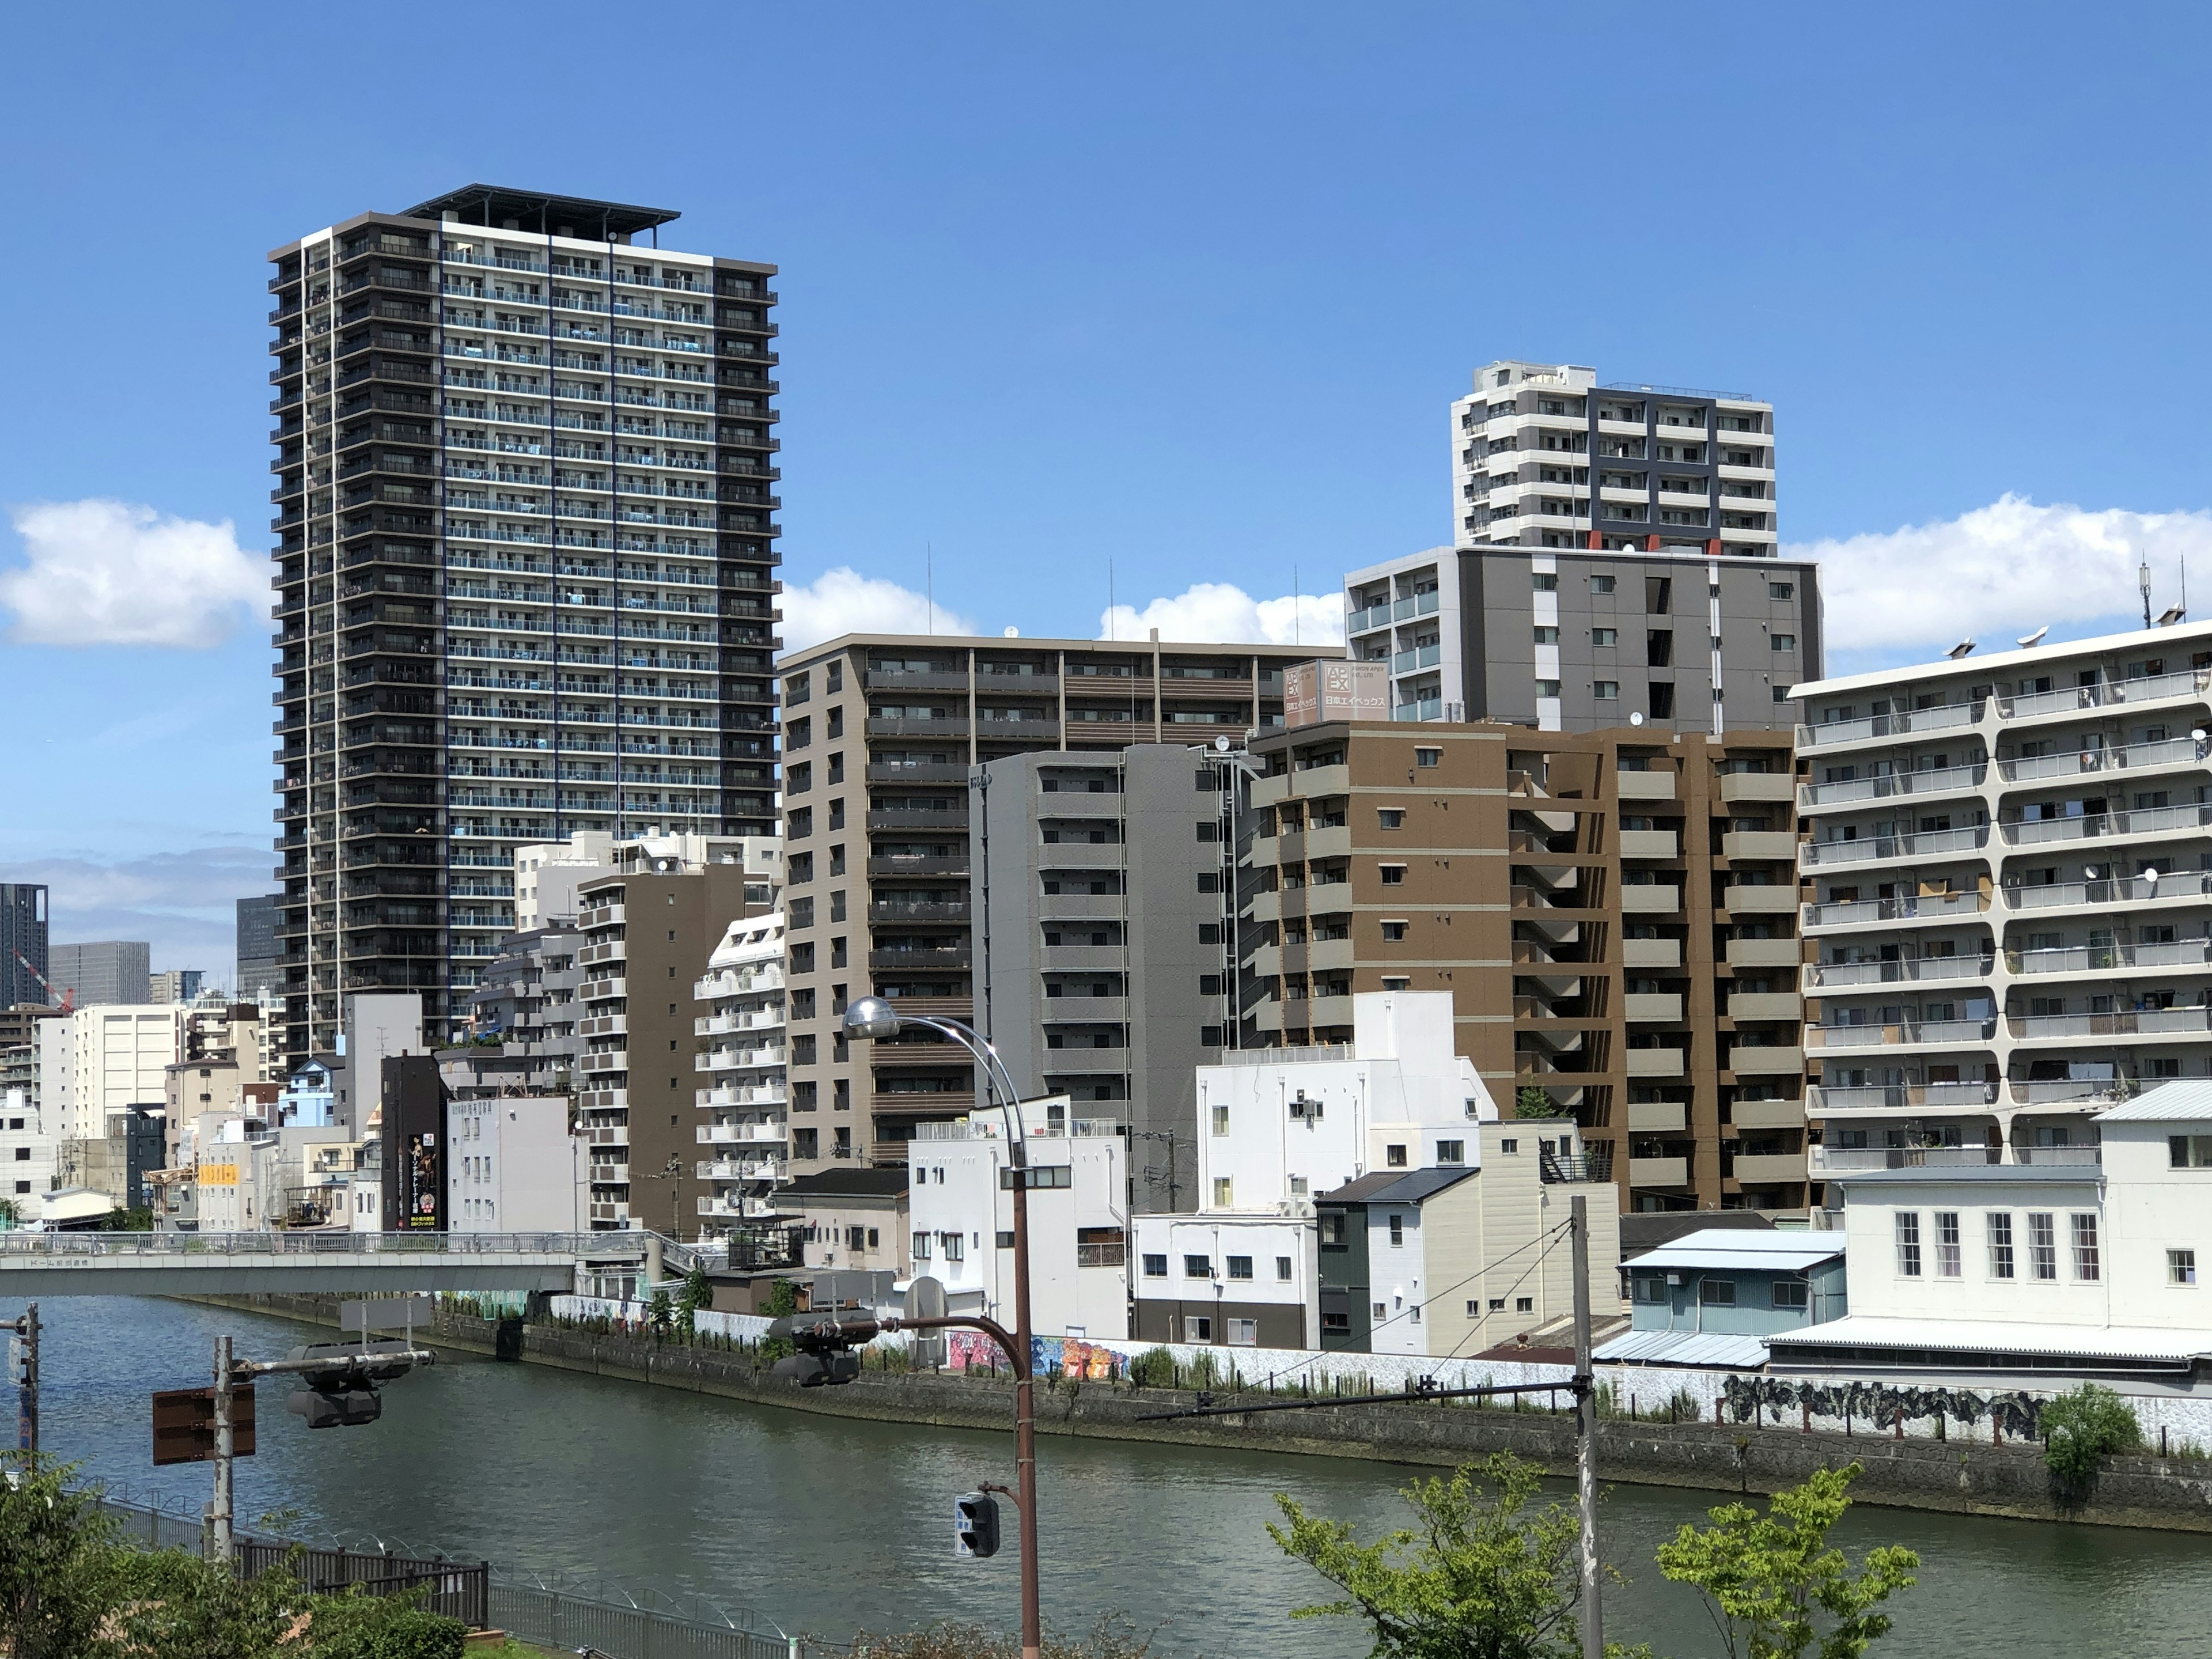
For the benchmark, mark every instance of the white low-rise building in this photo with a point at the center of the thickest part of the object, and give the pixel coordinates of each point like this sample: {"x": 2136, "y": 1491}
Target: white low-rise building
{"x": 2081, "y": 1258}
{"x": 512, "y": 1166}
{"x": 745, "y": 1138}
{"x": 962, "y": 1215}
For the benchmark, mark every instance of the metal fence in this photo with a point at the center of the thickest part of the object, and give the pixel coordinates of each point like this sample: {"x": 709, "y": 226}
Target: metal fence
{"x": 452, "y": 1588}
{"x": 534, "y": 1610}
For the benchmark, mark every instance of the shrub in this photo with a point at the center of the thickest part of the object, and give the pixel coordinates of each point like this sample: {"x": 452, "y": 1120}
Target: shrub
{"x": 1529, "y": 1101}
{"x": 2081, "y": 1429}
{"x": 1155, "y": 1368}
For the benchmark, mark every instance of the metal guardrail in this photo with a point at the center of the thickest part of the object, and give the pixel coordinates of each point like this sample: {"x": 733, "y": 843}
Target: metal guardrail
{"x": 319, "y": 1242}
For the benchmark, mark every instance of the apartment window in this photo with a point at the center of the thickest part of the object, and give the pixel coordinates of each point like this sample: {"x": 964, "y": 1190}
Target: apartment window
{"x": 1428, "y": 757}
{"x": 1390, "y": 818}
{"x": 1221, "y": 1120}
{"x": 1240, "y": 1267}
{"x": 1547, "y": 636}
{"x": 1601, "y": 585}
{"x": 1524, "y": 1304}
{"x": 1789, "y": 1295}
{"x": 1720, "y": 1292}
{"x": 1644, "y": 1287}
{"x": 1393, "y": 875}
{"x": 1497, "y": 1304}
{"x": 1781, "y": 590}
{"x": 1283, "y": 1269}
{"x": 1998, "y": 1225}
{"x": 1782, "y": 641}
{"x": 2181, "y": 1267}
{"x": 1197, "y": 1267}
{"x": 1605, "y": 690}
{"x": 1545, "y": 582}
{"x": 1397, "y": 1231}
{"x": 1393, "y": 1157}
{"x": 1908, "y": 1244}
{"x": 1243, "y": 1332}
{"x": 1605, "y": 636}
{"x": 1221, "y": 1191}
{"x": 1155, "y": 1266}
{"x": 2189, "y": 1151}
{"x": 1394, "y": 932}
{"x": 1946, "y": 1244}
{"x": 1547, "y": 689}
{"x": 2085, "y": 1265}
{"x": 1451, "y": 1152}
{"x": 1197, "y": 1328}
{"x": 1507, "y": 1146}
{"x": 2043, "y": 1245}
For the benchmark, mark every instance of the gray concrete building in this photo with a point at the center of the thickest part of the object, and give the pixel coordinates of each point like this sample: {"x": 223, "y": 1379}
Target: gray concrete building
{"x": 1105, "y": 973}
{"x": 108, "y": 970}
{"x": 22, "y": 942}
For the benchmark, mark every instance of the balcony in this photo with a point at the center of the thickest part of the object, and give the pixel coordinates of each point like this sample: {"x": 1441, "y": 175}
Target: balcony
{"x": 1929, "y": 783}
{"x": 1064, "y": 1010}
{"x": 1923, "y": 1034}
{"x": 1649, "y": 899}
{"x": 1763, "y": 952}
{"x": 1843, "y": 975}
{"x": 1658, "y": 1172}
{"x": 1766, "y": 1004}
{"x": 1837, "y": 734}
{"x": 1644, "y": 786}
{"x": 1758, "y": 898}
{"x": 1767, "y": 1062}
{"x": 1741, "y": 844}
{"x": 1653, "y": 952}
{"x": 1931, "y": 844}
{"x": 1738, "y": 787}
{"x": 1656, "y": 1062}
{"x": 1847, "y": 1160}
{"x": 2109, "y": 959}
{"x": 922, "y": 817}
{"x": 2101, "y": 895}
{"x": 1644, "y": 1006}
{"x": 1768, "y": 1114}
{"x": 1650, "y": 844}
{"x": 2130, "y": 1023}
{"x": 1769, "y": 1169}
{"x": 769, "y": 1093}
{"x": 2185, "y": 683}
{"x": 920, "y": 961}
{"x": 2135, "y": 758}
{"x": 1657, "y": 1117}
{"x": 1927, "y": 906}
{"x": 2146, "y": 821}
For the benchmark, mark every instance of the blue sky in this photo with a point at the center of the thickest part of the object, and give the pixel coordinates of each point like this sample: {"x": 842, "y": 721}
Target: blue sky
{"x": 1185, "y": 289}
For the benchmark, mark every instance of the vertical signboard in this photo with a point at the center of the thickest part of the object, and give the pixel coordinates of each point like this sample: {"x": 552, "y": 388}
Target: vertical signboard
{"x": 415, "y": 1140}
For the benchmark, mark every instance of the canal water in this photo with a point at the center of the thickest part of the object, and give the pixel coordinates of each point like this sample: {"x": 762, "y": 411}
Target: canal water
{"x": 828, "y": 1525}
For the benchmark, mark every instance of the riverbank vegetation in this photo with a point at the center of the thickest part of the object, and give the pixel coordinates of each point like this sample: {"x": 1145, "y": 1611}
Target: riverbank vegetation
{"x": 2082, "y": 1428}
{"x": 71, "y": 1588}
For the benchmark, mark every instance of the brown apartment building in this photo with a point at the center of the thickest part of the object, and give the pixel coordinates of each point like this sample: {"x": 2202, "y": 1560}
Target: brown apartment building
{"x": 881, "y": 734}
{"x": 1614, "y": 911}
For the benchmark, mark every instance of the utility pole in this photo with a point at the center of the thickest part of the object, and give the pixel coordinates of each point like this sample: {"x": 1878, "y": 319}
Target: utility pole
{"x": 25, "y": 1370}
{"x": 1593, "y": 1621}
{"x": 219, "y": 1510}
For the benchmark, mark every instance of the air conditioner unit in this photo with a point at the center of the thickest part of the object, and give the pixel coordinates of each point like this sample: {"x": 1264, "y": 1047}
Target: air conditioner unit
{"x": 1674, "y": 1279}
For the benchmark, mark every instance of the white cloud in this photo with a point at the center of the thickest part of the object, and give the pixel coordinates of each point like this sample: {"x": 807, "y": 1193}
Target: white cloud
{"x": 182, "y": 903}
{"x": 110, "y": 573}
{"x": 1999, "y": 572}
{"x": 843, "y": 601}
{"x": 1208, "y": 613}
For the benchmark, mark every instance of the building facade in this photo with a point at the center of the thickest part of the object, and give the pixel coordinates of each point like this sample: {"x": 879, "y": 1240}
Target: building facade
{"x": 1109, "y": 933}
{"x": 175, "y": 985}
{"x": 24, "y": 955}
{"x": 745, "y": 1135}
{"x": 525, "y": 549}
{"x": 105, "y": 971}
{"x": 881, "y": 732}
{"x": 512, "y": 1166}
{"x": 1613, "y": 914}
{"x": 258, "y": 955}
{"x": 2008, "y": 879}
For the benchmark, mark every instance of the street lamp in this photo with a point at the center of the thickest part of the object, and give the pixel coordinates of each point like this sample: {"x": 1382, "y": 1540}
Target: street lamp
{"x": 875, "y": 1019}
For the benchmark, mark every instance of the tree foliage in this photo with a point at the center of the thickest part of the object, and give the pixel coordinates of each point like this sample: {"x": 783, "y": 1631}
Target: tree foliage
{"x": 1776, "y": 1587}
{"x": 697, "y": 1292}
{"x": 1529, "y": 1101}
{"x": 1478, "y": 1576}
{"x": 2082, "y": 1428}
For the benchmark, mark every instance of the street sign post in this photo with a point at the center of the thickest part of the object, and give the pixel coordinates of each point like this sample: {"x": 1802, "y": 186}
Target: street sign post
{"x": 184, "y": 1425}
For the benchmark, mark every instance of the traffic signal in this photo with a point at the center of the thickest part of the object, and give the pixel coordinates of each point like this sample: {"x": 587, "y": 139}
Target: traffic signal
{"x": 828, "y": 1348}
{"x": 974, "y": 1525}
{"x": 345, "y": 1395}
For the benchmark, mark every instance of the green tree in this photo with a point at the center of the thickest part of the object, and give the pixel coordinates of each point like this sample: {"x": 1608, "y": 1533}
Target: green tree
{"x": 120, "y": 1220}
{"x": 59, "y": 1565}
{"x": 660, "y": 1312}
{"x": 1529, "y": 1101}
{"x": 781, "y": 1303}
{"x": 1772, "y": 1582}
{"x": 1477, "y": 1577}
{"x": 11, "y": 1213}
{"x": 698, "y": 1292}
{"x": 2082, "y": 1428}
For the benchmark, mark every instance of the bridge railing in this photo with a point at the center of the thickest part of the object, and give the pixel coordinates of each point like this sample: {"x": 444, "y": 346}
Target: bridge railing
{"x": 318, "y": 1241}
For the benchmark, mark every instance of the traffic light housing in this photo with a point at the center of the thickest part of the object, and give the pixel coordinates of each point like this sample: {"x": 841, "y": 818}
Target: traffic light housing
{"x": 974, "y": 1525}
{"x": 346, "y": 1396}
{"x": 828, "y": 1348}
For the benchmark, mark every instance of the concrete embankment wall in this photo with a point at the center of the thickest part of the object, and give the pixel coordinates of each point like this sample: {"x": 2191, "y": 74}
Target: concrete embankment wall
{"x": 1954, "y": 1476}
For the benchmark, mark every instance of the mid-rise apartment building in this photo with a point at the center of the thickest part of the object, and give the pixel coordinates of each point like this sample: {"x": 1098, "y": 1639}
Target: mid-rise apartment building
{"x": 1613, "y": 914}
{"x": 745, "y": 1136}
{"x": 105, "y": 971}
{"x": 23, "y": 944}
{"x": 1110, "y": 878}
{"x": 649, "y": 929}
{"x": 525, "y": 569}
{"x": 2008, "y": 879}
{"x": 523, "y": 1037}
{"x": 881, "y": 732}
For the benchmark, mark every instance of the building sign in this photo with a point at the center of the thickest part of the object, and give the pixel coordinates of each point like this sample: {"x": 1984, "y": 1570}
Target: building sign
{"x": 1317, "y": 691}
{"x": 414, "y": 1130}
{"x": 218, "y": 1175}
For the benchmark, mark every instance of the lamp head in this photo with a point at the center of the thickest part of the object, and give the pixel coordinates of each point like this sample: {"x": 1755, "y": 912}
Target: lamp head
{"x": 871, "y": 1016}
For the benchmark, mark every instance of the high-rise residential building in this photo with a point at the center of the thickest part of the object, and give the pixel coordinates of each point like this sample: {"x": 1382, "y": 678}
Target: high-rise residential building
{"x": 2010, "y": 892}
{"x": 745, "y": 1136}
{"x": 106, "y": 971}
{"x": 175, "y": 985}
{"x": 1612, "y": 912}
{"x": 23, "y": 953}
{"x": 1109, "y": 877}
{"x": 259, "y": 965}
{"x": 525, "y": 566}
{"x": 1580, "y": 592}
{"x": 881, "y": 732}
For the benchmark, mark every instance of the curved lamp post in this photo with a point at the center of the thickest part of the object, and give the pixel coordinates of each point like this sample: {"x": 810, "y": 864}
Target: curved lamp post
{"x": 875, "y": 1018}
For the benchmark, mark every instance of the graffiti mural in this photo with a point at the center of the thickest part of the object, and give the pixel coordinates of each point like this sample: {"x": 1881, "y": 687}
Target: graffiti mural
{"x": 2016, "y": 1415}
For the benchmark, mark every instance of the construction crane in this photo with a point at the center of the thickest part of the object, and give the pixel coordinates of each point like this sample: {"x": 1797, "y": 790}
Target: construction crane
{"x": 69, "y": 996}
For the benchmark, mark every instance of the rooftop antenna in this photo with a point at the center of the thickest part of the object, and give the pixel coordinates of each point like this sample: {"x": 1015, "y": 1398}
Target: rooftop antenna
{"x": 2142, "y": 581}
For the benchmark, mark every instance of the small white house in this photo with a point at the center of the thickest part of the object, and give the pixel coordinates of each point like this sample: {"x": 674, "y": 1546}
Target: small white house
{"x": 512, "y": 1166}
{"x": 960, "y": 1211}
{"x": 2084, "y": 1258}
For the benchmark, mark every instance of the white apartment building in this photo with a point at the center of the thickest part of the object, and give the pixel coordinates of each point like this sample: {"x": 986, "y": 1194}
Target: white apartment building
{"x": 1279, "y": 1127}
{"x": 962, "y": 1217}
{"x": 99, "y": 1062}
{"x": 29, "y": 1150}
{"x": 2078, "y": 1258}
{"x": 745, "y": 1138}
{"x": 512, "y": 1166}
{"x": 2010, "y": 878}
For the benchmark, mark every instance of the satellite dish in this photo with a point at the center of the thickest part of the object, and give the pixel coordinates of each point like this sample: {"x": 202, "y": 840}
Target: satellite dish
{"x": 1012, "y": 634}
{"x": 1222, "y": 743}
{"x": 2196, "y": 733}
{"x": 2036, "y": 638}
{"x": 1635, "y": 719}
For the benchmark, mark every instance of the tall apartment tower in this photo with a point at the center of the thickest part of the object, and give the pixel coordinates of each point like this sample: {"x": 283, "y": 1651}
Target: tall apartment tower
{"x": 2008, "y": 880}
{"x": 524, "y": 570}
{"x": 1580, "y": 591}
{"x": 881, "y": 735}
{"x": 22, "y": 942}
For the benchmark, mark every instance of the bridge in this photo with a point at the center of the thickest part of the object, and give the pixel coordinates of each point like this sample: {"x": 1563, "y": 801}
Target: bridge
{"x": 317, "y": 1261}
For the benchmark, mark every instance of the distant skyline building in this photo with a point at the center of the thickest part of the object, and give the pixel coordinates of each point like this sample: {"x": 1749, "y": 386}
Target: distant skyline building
{"x": 523, "y": 484}
{"x": 22, "y": 941}
{"x": 175, "y": 984}
{"x": 104, "y": 972}
{"x": 259, "y": 963}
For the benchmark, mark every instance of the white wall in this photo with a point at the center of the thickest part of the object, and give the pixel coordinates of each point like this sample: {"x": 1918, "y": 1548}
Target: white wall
{"x": 29, "y": 1150}
{"x": 379, "y": 1025}
{"x": 511, "y": 1167}
{"x": 119, "y": 1054}
{"x": 1217, "y": 1236}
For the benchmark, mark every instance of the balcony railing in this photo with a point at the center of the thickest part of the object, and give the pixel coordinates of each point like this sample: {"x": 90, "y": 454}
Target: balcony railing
{"x": 1924, "y": 907}
{"x": 2134, "y": 1022}
{"x": 2130, "y": 889}
{"x": 1935, "y": 779}
{"x": 1845, "y": 1160}
{"x": 1836, "y": 975}
{"x": 1821, "y": 1098}
{"x": 2098, "y": 959}
{"x": 1822, "y": 855}
{"x": 1946, "y": 718}
{"x": 2152, "y": 688}
{"x": 1940, "y": 1032}
{"x": 2173, "y": 751}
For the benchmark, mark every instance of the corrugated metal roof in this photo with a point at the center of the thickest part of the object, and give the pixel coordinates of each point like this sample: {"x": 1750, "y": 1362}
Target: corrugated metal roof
{"x": 1721, "y": 1247}
{"x": 1400, "y": 1185}
{"x": 1684, "y": 1348}
{"x": 2186, "y": 1100}
{"x": 1992, "y": 1336}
